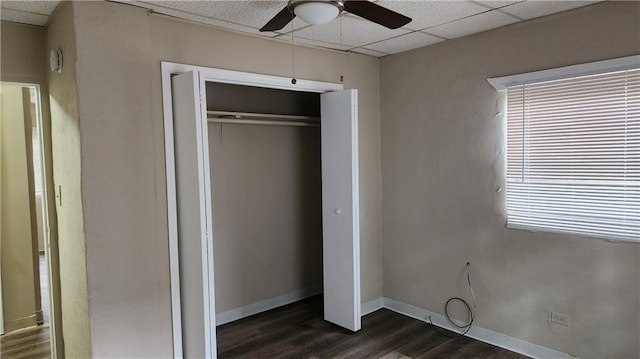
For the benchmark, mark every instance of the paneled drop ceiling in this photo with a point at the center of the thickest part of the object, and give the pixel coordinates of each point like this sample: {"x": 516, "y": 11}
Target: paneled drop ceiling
{"x": 27, "y": 12}
{"x": 433, "y": 21}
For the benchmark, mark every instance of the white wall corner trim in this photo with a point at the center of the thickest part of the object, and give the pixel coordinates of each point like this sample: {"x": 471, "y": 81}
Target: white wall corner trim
{"x": 267, "y": 304}
{"x": 372, "y": 306}
{"x": 590, "y": 68}
{"x": 478, "y": 333}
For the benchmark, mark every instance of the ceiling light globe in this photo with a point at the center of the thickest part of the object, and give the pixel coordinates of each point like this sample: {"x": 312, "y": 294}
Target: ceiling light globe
{"x": 316, "y": 13}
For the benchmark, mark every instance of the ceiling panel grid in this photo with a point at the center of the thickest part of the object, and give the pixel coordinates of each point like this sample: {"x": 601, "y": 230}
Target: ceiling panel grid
{"x": 433, "y": 21}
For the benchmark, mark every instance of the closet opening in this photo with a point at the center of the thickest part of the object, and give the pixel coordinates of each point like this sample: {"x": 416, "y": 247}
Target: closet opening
{"x": 266, "y": 180}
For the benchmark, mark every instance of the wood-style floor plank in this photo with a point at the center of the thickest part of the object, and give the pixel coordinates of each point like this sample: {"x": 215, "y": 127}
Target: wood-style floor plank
{"x": 29, "y": 343}
{"x": 298, "y": 331}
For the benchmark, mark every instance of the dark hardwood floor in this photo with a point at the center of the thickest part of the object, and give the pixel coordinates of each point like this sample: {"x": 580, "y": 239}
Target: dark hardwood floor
{"x": 298, "y": 331}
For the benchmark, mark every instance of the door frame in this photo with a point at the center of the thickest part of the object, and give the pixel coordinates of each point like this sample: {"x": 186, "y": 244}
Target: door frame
{"x": 208, "y": 74}
{"x": 46, "y": 219}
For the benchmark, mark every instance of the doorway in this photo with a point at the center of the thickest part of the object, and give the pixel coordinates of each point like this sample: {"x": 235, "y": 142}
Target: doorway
{"x": 191, "y": 231}
{"x": 26, "y": 319}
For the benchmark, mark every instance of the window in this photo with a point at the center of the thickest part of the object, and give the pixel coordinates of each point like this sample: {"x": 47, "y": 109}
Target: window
{"x": 573, "y": 155}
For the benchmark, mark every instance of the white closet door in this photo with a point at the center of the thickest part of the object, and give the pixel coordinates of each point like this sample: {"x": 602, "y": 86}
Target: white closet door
{"x": 340, "y": 215}
{"x": 193, "y": 207}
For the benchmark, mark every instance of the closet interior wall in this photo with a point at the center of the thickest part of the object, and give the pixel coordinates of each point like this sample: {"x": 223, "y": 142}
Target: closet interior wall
{"x": 266, "y": 197}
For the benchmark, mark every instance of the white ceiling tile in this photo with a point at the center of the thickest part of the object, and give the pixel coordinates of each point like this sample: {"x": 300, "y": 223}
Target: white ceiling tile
{"x": 532, "y": 9}
{"x": 497, "y": 3}
{"x": 297, "y": 25}
{"x": 228, "y": 25}
{"x": 355, "y": 32}
{"x": 253, "y": 14}
{"x": 175, "y": 11}
{"x": 38, "y": 7}
{"x": 298, "y": 40}
{"x": 477, "y": 23}
{"x": 406, "y": 42}
{"x": 23, "y": 17}
{"x": 366, "y": 51}
{"x": 426, "y": 14}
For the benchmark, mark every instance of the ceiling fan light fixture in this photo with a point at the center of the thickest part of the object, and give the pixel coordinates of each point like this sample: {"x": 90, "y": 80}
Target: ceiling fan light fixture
{"x": 317, "y": 12}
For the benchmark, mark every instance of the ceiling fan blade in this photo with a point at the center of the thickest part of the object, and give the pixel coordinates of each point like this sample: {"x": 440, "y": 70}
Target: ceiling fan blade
{"x": 280, "y": 20}
{"x": 376, "y": 13}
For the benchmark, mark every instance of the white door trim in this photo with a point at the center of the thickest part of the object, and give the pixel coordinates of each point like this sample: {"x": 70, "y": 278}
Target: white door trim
{"x": 209, "y": 75}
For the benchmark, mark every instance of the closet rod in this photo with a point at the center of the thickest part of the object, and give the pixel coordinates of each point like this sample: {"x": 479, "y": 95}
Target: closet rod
{"x": 250, "y": 118}
{"x": 253, "y": 115}
{"x": 263, "y": 122}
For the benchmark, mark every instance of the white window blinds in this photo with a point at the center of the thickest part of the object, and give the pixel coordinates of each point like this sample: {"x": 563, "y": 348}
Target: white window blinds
{"x": 573, "y": 155}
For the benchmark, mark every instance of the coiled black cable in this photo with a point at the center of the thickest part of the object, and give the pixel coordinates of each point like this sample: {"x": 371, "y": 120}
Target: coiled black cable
{"x": 472, "y": 313}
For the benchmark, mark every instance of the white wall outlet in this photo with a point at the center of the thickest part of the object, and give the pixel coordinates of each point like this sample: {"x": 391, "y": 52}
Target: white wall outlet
{"x": 559, "y": 318}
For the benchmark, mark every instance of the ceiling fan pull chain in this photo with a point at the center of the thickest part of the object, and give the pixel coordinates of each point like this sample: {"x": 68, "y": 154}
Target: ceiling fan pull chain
{"x": 293, "y": 57}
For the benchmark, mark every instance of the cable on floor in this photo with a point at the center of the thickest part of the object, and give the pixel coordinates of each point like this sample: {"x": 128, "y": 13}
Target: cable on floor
{"x": 465, "y": 327}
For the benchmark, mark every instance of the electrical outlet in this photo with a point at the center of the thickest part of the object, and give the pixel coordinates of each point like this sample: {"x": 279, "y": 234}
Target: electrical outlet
{"x": 559, "y": 318}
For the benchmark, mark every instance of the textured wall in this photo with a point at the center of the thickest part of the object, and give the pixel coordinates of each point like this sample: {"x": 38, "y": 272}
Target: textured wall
{"x": 267, "y": 211}
{"x": 123, "y": 174}
{"x": 443, "y": 161}
{"x": 22, "y": 57}
{"x": 66, "y": 149}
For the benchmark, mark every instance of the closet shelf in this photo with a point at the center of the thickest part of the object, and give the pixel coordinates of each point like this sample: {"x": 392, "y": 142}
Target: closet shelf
{"x": 261, "y": 118}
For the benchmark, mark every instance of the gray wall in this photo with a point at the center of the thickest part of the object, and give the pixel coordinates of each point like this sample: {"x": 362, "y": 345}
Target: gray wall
{"x": 119, "y": 51}
{"x": 267, "y": 211}
{"x": 443, "y": 161}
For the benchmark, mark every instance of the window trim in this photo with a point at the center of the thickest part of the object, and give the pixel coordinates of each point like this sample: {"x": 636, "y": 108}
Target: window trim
{"x": 589, "y": 68}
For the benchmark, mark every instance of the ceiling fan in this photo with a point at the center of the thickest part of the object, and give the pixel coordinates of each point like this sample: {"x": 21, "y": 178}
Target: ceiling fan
{"x": 317, "y": 12}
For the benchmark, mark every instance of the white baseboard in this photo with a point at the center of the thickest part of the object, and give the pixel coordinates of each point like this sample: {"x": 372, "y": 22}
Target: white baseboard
{"x": 481, "y": 334}
{"x": 372, "y": 306}
{"x": 267, "y": 304}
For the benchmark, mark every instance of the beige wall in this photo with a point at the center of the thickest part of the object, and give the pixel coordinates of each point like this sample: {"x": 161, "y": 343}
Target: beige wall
{"x": 23, "y": 59}
{"x": 66, "y": 173}
{"x": 16, "y": 245}
{"x": 267, "y": 211}
{"x": 123, "y": 174}
{"x": 442, "y": 163}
